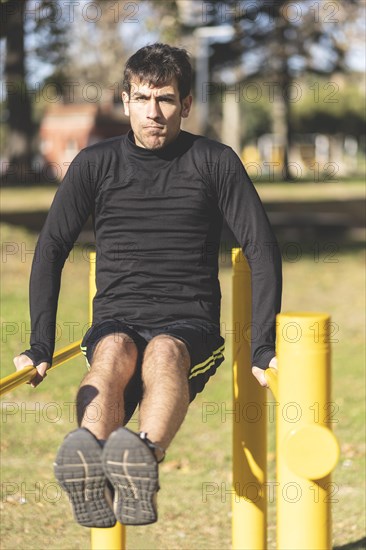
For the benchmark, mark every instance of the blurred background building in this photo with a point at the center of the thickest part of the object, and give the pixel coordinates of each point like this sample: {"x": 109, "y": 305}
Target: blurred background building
{"x": 67, "y": 128}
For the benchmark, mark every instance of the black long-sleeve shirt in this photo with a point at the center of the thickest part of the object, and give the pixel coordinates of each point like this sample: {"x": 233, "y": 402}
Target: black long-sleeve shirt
{"x": 157, "y": 219}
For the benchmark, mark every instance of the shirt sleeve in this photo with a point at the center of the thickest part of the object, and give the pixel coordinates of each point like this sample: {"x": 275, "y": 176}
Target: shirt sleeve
{"x": 245, "y": 215}
{"x": 71, "y": 207}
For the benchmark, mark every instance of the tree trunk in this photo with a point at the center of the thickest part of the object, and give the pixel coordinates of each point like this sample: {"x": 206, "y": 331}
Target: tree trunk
{"x": 282, "y": 106}
{"x": 288, "y": 141}
{"x": 18, "y": 168}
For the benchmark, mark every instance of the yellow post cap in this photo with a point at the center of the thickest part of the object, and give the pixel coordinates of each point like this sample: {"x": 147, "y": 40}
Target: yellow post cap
{"x": 302, "y": 332}
{"x": 311, "y": 452}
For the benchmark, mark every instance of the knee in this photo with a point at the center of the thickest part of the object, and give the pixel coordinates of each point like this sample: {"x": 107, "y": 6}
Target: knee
{"x": 116, "y": 349}
{"x": 166, "y": 348}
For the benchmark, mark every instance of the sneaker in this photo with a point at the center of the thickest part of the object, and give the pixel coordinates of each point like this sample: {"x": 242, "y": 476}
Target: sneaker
{"x": 78, "y": 469}
{"x": 130, "y": 464}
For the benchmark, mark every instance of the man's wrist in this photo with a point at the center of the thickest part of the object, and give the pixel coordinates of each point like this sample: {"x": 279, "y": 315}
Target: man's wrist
{"x": 36, "y": 358}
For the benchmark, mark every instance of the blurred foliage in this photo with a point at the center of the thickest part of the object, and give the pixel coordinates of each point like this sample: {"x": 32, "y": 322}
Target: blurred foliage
{"x": 256, "y": 118}
{"x": 326, "y": 106}
{"x": 170, "y": 25}
{"x": 332, "y": 107}
{"x": 45, "y": 22}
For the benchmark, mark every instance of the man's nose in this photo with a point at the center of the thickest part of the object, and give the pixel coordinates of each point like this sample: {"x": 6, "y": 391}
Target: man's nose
{"x": 153, "y": 110}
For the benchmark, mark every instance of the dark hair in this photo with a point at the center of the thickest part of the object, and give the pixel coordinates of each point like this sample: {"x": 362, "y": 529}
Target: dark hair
{"x": 157, "y": 64}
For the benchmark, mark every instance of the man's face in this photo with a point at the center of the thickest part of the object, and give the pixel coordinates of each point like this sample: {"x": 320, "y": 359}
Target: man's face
{"x": 155, "y": 113}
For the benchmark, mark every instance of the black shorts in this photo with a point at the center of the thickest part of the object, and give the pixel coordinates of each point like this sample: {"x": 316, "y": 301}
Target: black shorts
{"x": 203, "y": 341}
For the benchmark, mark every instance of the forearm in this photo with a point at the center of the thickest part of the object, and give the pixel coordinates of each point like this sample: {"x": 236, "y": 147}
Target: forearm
{"x": 266, "y": 303}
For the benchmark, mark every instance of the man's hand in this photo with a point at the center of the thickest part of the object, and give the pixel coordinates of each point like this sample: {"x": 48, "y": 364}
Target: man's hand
{"x": 22, "y": 361}
{"x": 259, "y": 373}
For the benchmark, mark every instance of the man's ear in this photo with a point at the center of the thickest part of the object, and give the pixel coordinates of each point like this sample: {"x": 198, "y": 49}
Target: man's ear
{"x": 186, "y": 106}
{"x": 126, "y": 103}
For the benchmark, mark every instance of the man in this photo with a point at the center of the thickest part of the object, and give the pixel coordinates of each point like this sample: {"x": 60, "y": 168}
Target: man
{"x": 158, "y": 197}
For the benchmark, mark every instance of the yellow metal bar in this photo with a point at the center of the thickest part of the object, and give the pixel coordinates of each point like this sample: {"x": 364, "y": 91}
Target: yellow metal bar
{"x": 66, "y": 353}
{"x": 112, "y": 538}
{"x": 16, "y": 379}
{"x": 272, "y": 380}
{"x": 249, "y": 429}
{"x": 307, "y": 451}
{"x": 92, "y": 283}
{"x": 25, "y": 375}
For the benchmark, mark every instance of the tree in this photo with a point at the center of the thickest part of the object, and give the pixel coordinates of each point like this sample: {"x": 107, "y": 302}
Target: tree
{"x": 100, "y": 65}
{"x": 103, "y": 34}
{"x": 19, "y": 18}
{"x": 277, "y": 41}
{"x": 18, "y": 104}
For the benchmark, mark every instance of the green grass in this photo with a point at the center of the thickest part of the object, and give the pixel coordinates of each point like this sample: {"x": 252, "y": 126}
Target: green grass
{"x": 311, "y": 191}
{"x": 21, "y": 199}
{"x": 36, "y": 515}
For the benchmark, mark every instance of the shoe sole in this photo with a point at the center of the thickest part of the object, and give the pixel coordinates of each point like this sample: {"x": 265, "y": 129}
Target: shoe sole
{"x": 78, "y": 469}
{"x": 132, "y": 469}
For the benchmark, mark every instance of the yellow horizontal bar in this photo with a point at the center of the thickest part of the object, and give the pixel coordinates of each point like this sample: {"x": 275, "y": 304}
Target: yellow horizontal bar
{"x": 66, "y": 353}
{"x": 25, "y": 375}
{"x": 16, "y": 379}
{"x": 272, "y": 380}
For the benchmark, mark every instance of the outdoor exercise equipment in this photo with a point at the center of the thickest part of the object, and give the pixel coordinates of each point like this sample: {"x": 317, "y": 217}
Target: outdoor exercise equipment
{"x": 307, "y": 450}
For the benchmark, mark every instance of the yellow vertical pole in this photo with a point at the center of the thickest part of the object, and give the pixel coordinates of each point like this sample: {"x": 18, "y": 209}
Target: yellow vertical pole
{"x": 249, "y": 428}
{"x": 92, "y": 283}
{"x": 307, "y": 450}
{"x": 113, "y": 538}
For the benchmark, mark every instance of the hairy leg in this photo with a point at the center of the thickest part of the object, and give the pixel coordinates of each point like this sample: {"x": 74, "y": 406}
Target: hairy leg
{"x": 166, "y": 393}
{"x": 100, "y": 399}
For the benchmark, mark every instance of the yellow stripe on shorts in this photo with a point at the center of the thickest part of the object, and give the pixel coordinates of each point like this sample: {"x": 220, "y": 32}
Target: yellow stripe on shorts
{"x": 200, "y": 368}
{"x": 83, "y": 351}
